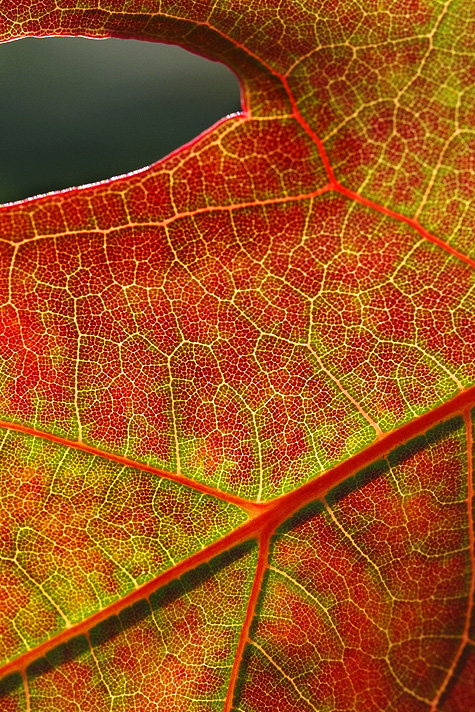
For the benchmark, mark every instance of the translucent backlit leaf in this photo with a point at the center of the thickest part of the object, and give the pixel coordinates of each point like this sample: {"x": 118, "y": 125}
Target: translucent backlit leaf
{"x": 237, "y": 387}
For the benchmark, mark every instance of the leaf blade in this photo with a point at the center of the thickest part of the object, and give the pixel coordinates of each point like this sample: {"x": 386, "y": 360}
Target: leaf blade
{"x": 278, "y": 368}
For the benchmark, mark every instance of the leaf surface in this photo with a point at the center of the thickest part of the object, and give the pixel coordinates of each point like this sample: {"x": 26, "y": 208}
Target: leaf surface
{"x": 237, "y": 386}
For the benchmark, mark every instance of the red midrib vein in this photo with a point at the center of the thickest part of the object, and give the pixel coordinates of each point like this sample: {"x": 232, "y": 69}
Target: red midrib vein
{"x": 263, "y": 555}
{"x": 263, "y": 518}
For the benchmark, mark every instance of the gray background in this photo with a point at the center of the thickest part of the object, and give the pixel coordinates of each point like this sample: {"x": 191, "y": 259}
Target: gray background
{"x": 73, "y": 110}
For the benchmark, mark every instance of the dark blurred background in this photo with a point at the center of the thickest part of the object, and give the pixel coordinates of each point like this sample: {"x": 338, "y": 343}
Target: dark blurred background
{"x": 73, "y": 110}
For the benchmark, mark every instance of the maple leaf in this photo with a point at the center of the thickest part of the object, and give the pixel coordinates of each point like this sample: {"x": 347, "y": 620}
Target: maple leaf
{"x": 237, "y": 387}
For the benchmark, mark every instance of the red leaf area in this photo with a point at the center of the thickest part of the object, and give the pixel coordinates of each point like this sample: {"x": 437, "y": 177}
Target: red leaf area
{"x": 237, "y": 387}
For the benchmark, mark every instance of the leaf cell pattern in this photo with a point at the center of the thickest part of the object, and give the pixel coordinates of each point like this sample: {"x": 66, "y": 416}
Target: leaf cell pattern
{"x": 369, "y": 584}
{"x": 237, "y": 387}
